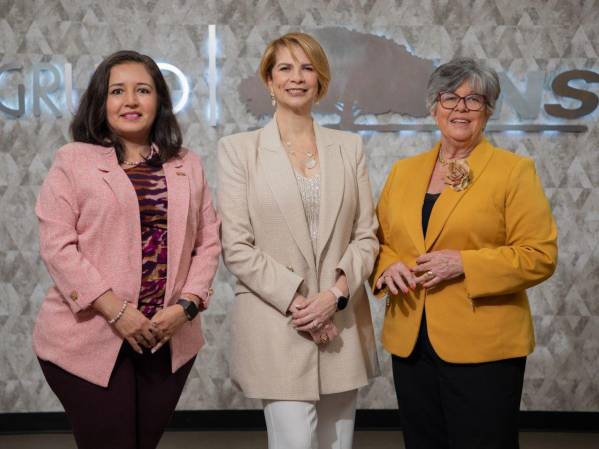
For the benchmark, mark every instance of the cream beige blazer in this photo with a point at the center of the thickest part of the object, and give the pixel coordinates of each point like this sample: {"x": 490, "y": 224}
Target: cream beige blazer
{"x": 266, "y": 245}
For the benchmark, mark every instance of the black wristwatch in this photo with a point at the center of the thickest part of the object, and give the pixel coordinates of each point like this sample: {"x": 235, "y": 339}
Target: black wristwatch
{"x": 342, "y": 300}
{"x": 189, "y": 307}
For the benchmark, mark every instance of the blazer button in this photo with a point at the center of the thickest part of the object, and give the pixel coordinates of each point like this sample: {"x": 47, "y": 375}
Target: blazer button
{"x": 290, "y": 268}
{"x": 74, "y": 295}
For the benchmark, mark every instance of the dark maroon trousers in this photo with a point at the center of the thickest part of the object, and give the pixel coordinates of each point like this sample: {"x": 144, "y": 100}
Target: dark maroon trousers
{"x": 135, "y": 408}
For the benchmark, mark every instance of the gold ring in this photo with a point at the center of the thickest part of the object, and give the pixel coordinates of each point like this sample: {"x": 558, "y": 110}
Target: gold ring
{"x": 315, "y": 325}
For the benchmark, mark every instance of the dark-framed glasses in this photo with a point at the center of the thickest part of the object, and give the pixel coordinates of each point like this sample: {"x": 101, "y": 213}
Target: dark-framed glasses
{"x": 473, "y": 102}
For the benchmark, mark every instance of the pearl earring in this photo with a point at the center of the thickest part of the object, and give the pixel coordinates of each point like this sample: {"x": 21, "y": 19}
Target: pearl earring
{"x": 273, "y": 101}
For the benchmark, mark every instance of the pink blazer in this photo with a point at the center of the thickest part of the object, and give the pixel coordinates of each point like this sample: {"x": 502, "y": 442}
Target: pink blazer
{"x": 90, "y": 241}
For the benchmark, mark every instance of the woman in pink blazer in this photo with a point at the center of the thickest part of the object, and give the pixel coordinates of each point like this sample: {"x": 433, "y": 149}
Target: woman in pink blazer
{"x": 130, "y": 238}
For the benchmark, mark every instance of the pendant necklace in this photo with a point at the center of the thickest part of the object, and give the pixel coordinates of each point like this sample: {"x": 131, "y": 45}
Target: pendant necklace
{"x": 309, "y": 161}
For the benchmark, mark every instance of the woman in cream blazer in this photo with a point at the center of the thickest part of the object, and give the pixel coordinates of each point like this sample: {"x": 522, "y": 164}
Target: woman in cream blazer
{"x": 294, "y": 344}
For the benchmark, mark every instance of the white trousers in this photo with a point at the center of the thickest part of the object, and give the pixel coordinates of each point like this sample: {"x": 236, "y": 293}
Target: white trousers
{"x": 324, "y": 424}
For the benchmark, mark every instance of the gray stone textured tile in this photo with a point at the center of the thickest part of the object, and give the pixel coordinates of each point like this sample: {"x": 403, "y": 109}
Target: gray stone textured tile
{"x": 512, "y": 36}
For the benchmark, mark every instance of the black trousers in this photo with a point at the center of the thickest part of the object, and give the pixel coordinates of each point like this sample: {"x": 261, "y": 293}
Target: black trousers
{"x": 457, "y": 406}
{"x": 133, "y": 411}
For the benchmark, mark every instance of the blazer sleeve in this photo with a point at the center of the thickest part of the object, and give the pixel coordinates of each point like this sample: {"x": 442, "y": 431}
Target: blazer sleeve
{"x": 529, "y": 255}
{"x": 387, "y": 256}
{"x": 207, "y": 248}
{"x": 263, "y": 275}
{"x": 358, "y": 259}
{"x": 57, "y": 210}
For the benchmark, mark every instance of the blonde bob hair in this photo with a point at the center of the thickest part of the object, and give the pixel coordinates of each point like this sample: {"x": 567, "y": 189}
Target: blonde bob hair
{"x": 313, "y": 51}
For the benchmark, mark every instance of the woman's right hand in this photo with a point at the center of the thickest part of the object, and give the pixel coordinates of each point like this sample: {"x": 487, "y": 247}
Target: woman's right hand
{"x": 397, "y": 277}
{"x": 298, "y": 302}
{"x": 321, "y": 335}
{"x": 137, "y": 329}
{"x": 133, "y": 325}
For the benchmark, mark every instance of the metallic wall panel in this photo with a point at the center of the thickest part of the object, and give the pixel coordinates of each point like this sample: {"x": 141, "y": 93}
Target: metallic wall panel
{"x": 513, "y": 36}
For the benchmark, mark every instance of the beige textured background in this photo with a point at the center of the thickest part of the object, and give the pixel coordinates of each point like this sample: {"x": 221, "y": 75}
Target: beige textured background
{"x": 513, "y": 36}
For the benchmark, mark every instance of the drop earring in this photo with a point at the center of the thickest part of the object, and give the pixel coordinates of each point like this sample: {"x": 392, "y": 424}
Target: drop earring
{"x": 273, "y": 101}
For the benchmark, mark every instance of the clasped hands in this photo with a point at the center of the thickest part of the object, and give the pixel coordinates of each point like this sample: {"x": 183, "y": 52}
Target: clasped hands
{"x": 313, "y": 315}
{"x": 139, "y": 330}
{"x": 430, "y": 270}
{"x": 152, "y": 333}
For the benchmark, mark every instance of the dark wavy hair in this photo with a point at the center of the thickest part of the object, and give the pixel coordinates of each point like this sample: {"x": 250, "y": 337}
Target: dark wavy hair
{"x": 90, "y": 124}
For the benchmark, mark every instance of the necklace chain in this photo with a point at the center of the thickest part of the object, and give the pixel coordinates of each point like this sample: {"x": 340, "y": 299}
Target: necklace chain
{"x": 132, "y": 163}
{"x": 135, "y": 163}
{"x": 445, "y": 161}
{"x": 309, "y": 159}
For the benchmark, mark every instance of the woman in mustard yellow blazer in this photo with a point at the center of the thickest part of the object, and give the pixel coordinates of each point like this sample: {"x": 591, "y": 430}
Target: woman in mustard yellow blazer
{"x": 465, "y": 229}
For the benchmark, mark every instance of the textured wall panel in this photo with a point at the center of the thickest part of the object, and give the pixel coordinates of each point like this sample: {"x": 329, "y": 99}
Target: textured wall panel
{"x": 513, "y": 36}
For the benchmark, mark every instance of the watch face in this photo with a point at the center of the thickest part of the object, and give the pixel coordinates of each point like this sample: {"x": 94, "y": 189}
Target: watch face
{"x": 342, "y": 302}
{"x": 189, "y": 307}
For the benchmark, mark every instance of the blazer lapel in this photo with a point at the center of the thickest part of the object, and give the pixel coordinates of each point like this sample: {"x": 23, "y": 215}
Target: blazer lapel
{"x": 331, "y": 186}
{"x": 449, "y": 199}
{"x": 177, "y": 183}
{"x": 412, "y": 203}
{"x": 119, "y": 182}
{"x": 281, "y": 179}
{"x": 123, "y": 190}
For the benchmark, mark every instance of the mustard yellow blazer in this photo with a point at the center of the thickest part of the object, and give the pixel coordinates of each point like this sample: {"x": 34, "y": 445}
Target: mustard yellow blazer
{"x": 504, "y": 229}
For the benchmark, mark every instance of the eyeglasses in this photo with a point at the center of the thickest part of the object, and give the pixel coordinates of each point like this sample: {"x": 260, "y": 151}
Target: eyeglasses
{"x": 473, "y": 102}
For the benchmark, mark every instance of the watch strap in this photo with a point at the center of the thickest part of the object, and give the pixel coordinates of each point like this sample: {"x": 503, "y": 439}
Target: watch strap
{"x": 336, "y": 291}
{"x": 342, "y": 300}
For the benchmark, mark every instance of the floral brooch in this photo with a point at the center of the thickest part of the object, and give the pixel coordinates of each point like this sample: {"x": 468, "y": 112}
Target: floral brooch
{"x": 459, "y": 174}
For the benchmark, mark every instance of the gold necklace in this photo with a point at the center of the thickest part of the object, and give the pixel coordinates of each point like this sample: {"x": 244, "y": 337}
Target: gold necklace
{"x": 132, "y": 163}
{"x": 444, "y": 161}
{"x": 135, "y": 163}
{"x": 309, "y": 160}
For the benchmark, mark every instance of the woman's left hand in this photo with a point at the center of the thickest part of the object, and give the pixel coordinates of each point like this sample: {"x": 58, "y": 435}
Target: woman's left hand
{"x": 325, "y": 334}
{"x": 438, "y": 266}
{"x": 313, "y": 314}
{"x": 168, "y": 321}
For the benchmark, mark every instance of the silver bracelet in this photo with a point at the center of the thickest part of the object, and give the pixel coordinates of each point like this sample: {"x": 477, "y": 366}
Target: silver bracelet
{"x": 120, "y": 314}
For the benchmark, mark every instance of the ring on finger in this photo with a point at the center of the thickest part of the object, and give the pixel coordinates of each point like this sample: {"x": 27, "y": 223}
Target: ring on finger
{"x": 430, "y": 274}
{"x": 316, "y": 325}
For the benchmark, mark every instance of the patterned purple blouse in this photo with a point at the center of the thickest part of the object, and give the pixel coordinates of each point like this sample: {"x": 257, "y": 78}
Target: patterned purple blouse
{"x": 150, "y": 185}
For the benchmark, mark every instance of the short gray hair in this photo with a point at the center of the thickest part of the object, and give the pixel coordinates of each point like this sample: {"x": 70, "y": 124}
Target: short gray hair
{"x": 449, "y": 76}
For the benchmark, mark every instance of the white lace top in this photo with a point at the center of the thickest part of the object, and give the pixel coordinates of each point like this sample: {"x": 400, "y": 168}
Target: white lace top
{"x": 309, "y": 189}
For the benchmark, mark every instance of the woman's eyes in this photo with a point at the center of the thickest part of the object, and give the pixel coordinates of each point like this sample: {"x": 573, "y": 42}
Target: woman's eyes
{"x": 285, "y": 68}
{"x": 120, "y": 91}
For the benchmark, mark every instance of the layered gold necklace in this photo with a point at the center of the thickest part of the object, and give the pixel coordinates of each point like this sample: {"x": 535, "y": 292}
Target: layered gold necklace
{"x": 309, "y": 158}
